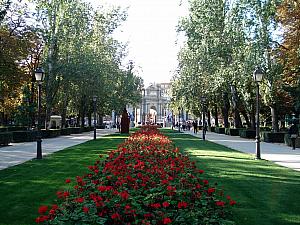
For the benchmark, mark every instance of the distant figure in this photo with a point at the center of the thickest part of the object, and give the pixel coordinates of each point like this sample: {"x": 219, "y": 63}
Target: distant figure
{"x": 195, "y": 126}
{"x": 293, "y": 133}
{"x": 125, "y": 122}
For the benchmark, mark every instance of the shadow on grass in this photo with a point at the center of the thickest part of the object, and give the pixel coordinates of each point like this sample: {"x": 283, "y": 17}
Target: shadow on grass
{"x": 266, "y": 193}
{"x": 23, "y": 188}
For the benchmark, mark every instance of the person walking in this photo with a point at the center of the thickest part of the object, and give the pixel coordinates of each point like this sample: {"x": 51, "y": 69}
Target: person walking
{"x": 293, "y": 133}
{"x": 195, "y": 126}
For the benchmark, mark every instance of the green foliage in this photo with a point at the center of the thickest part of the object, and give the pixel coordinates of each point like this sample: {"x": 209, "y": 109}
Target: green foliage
{"x": 225, "y": 41}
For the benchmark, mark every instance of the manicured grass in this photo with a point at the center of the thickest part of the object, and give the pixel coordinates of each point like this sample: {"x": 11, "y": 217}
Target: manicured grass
{"x": 25, "y": 187}
{"x": 267, "y": 194}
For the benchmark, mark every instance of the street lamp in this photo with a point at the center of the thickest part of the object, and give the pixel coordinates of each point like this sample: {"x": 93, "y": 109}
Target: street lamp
{"x": 257, "y": 77}
{"x": 39, "y": 77}
{"x": 94, "y": 104}
{"x": 178, "y": 119}
{"x": 203, "y": 100}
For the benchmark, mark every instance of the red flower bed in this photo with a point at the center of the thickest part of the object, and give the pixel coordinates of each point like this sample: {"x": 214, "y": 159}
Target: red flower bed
{"x": 145, "y": 181}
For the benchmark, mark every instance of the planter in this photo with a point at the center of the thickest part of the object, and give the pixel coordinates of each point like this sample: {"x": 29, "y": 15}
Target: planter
{"x": 247, "y": 133}
{"x": 24, "y": 136}
{"x": 65, "y": 131}
{"x": 211, "y": 129}
{"x": 233, "y": 131}
{"x": 50, "y": 133}
{"x": 220, "y": 130}
{"x": 277, "y": 137}
{"x": 5, "y": 138}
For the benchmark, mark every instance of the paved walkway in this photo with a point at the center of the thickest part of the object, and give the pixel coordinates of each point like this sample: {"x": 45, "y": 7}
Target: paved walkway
{"x": 279, "y": 153}
{"x": 18, "y": 153}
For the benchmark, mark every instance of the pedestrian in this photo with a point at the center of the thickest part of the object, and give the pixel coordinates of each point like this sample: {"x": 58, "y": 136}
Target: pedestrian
{"x": 195, "y": 126}
{"x": 293, "y": 133}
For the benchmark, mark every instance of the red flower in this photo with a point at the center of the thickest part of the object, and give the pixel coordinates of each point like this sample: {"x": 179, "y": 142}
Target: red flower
{"x": 85, "y": 209}
{"x": 68, "y": 181}
{"x": 220, "y": 203}
{"x": 115, "y": 216}
{"x": 102, "y": 188}
{"x": 232, "y": 202}
{"x": 156, "y": 205}
{"x": 167, "y": 220}
{"x": 41, "y": 219}
{"x": 124, "y": 195}
{"x": 79, "y": 200}
{"x": 210, "y": 190}
{"x": 182, "y": 205}
{"x": 43, "y": 209}
{"x": 66, "y": 194}
{"x": 201, "y": 171}
{"x": 166, "y": 204}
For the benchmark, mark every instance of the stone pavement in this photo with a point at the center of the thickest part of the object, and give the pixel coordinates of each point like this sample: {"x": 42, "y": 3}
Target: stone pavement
{"x": 18, "y": 153}
{"x": 279, "y": 153}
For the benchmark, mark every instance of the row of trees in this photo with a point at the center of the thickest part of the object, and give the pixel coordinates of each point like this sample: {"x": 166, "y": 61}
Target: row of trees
{"x": 73, "y": 42}
{"x": 225, "y": 41}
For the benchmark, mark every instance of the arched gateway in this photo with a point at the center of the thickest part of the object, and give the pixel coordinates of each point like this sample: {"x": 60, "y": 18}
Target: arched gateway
{"x": 154, "y": 107}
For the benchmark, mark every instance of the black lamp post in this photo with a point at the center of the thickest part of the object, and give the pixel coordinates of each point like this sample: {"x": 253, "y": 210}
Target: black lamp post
{"x": 179, "y": 119}
{"x": 203, "y": 100}
{"x": 39, "y": 77}
{"x": 257, "y": 76}
{"x": 94, "y": 105}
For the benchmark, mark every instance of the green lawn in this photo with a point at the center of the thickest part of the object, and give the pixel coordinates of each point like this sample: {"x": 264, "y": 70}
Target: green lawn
{"x": 266, "y": 193}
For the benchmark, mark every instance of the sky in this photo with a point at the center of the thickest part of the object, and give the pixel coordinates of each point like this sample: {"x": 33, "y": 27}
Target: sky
{"x": 150, "y": 31}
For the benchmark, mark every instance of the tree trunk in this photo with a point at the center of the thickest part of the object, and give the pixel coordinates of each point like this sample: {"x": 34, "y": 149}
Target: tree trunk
{"x": 208, "y": 118}
{"x": 274, "y": 114}
{"x": 64, "y": 111}
{"x": 83, "y": 110}
{"x": 225, "y": 110}
{"x": 245, "y": 115}
{"x": 90, "y": 118}
{"x": 252, "y": 117}
{"x": 216, "y": 115}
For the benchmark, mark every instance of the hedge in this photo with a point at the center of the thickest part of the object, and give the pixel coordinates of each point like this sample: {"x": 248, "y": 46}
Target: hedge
{"x": 66, "y": 131}
{"x": 211, "y": 129}
{"x": 220, "y": 130}
{"x": 5, "y": 138}
{"x": 17, "y": 128}
{"x": 288, "y": 142}
{"x": 50, "y": 133}
{"x": 233, "y": 131}
{"x": 247, "y": 133}
{"x": 3, "y": 129}
{"x": 24, "y": 136}
{"x": 277, "y": 137}
{"x": 75, "y": 130}
{"x": 101, "y": 126}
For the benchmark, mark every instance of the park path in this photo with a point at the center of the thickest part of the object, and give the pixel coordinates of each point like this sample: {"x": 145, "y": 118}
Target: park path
{"x": 17, "y": 153}
{"x": 278, "y": 153}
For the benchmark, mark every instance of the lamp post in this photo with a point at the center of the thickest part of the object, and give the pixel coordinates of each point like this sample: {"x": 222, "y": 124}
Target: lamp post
{"x": 178, "y": 119}
{"x": 257, "y": 76}
{"x": 94, "y": 105}
{"x": 39, "y": 77}
{"x": 203, "y": 100}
